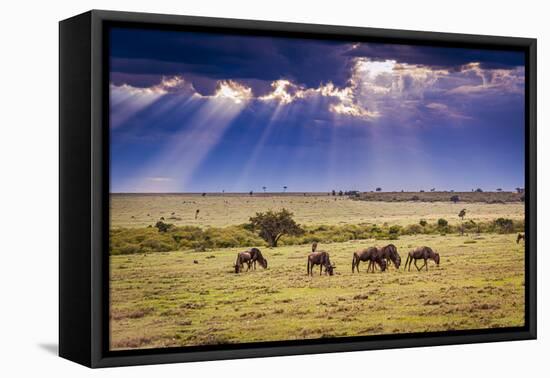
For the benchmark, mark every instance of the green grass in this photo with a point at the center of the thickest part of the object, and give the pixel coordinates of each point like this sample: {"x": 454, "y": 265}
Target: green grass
{"x": 165, "y": 299}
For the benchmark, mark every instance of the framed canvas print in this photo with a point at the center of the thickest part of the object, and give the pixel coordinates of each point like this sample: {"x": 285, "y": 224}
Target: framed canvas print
{"x": 234, "y": 188}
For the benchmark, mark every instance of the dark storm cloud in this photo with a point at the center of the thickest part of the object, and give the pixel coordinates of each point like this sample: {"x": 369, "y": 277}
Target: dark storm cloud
{"x": 140, "y": 55}
{"x": 444, "y": 57}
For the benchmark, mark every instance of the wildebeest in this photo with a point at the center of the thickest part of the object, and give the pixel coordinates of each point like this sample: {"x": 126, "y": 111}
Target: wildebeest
{"x": 520, "y": 237}
{"x": 250, "y": 257}
{"x": 257, "y": 256}
{"x": 422, "y": 253}
{"x": 390, "y": 254}
{"x": 371, "y": 255}
{"x": 320, "y": 258}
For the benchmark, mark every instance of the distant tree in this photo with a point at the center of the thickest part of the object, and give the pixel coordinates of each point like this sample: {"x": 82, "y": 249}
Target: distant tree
{"x": 499, "y": 189}
{"x": 340, "y": 193}
{"x": 333, "y": 192}
{"x": 251, "y": 193}
{"x": 284, "y": 188}
{"x": 163, "y": 227}
{"x": 462, "y": 214}
{"x": 378, "y": 189}
{"x": 271, "y": 226}
{"x": 204, "y": 194}
{"x": 520, "y": 190}
{"x": 264, "y": 188}
{"x": 479, "y": 190}
{"x": 455, "y": 198}
{"x": 432, "y": 190}
{"x": 421, "y": 190}
{"x": 423, "y": 222}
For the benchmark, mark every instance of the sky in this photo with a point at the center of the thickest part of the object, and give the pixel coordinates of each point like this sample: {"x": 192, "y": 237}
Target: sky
{"x": 206, "y": 112}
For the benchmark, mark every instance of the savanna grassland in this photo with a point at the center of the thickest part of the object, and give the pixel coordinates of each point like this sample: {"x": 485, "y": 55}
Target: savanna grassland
{"x": 192, "y": 296}
{"x": 141, "y": 210}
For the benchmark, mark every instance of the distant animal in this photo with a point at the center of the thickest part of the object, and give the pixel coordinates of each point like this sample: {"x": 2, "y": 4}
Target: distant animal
{"x": 314, "y": 247}
{"x": 195, "y": 262}
{"x": 520, "y": 237}
{"x": 371, "y": 255}
{"x": 249, "y": 258}
{"x": 256, "y": 255}
{"x": 242, "y": 258}
{"x": 197, "y": 213}
{"x": 320, "y": 258}
{"x": 390, "y": 254}
{"x": 422, "y": 253}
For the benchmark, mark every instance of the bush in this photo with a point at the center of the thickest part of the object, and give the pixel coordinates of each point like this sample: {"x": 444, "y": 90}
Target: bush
{"x": 413, "y": 229}
{"x": 394, "y": 230}
{"x": 163, "y": 227}
{"x": 423, "y": 222}
{"x": 504, "y": 225}
{"x": 149, "y": 239}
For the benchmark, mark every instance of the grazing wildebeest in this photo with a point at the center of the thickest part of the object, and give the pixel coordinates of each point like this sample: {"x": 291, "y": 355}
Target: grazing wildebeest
{"x": 249, "y": 257}
{"x": 422, "y": 253}
{"x": 371, "y": 255}
{"x": 390, "y": 254}
{"x": 520, "y": 237}
{"x": 319, "y": 258}
{"x": 256, "y": 255}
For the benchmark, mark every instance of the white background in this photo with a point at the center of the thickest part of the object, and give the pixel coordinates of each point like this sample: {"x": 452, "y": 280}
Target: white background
{"x": 29, "y": 186}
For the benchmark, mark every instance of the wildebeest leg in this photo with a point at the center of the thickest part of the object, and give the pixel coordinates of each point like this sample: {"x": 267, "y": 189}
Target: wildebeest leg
{"x": 426, "y": 263}
{"x": 357, "y": 265}
{"x": 417, "y": 268}
{"x": 321, "y": 269}
{"x": 308, "y": 267}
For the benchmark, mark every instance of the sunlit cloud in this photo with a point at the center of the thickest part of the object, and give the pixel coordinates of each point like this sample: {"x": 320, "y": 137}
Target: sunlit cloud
{"x": 229, "y": 89}
{"x": 376, "y": 88}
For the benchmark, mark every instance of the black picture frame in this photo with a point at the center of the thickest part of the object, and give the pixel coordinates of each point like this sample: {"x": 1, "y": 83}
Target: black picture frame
{"x": 84, "y": 189}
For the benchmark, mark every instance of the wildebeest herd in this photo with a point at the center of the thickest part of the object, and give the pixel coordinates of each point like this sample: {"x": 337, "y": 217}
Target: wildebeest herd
{"x": 375, "y": 256}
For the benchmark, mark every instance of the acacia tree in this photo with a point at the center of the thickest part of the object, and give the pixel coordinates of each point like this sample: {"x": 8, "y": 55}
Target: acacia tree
{"x": 271, "y": 226}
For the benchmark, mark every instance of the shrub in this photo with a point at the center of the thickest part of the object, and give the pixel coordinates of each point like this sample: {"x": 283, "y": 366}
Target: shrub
{"x": 442, "y": 223}
{"x": 423, "y": 222}
{"x": 504, "y": 225}
{"x": 163, "y": 227}
{"x": 395, "y": 230}
{"x": 413, "y": 229}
